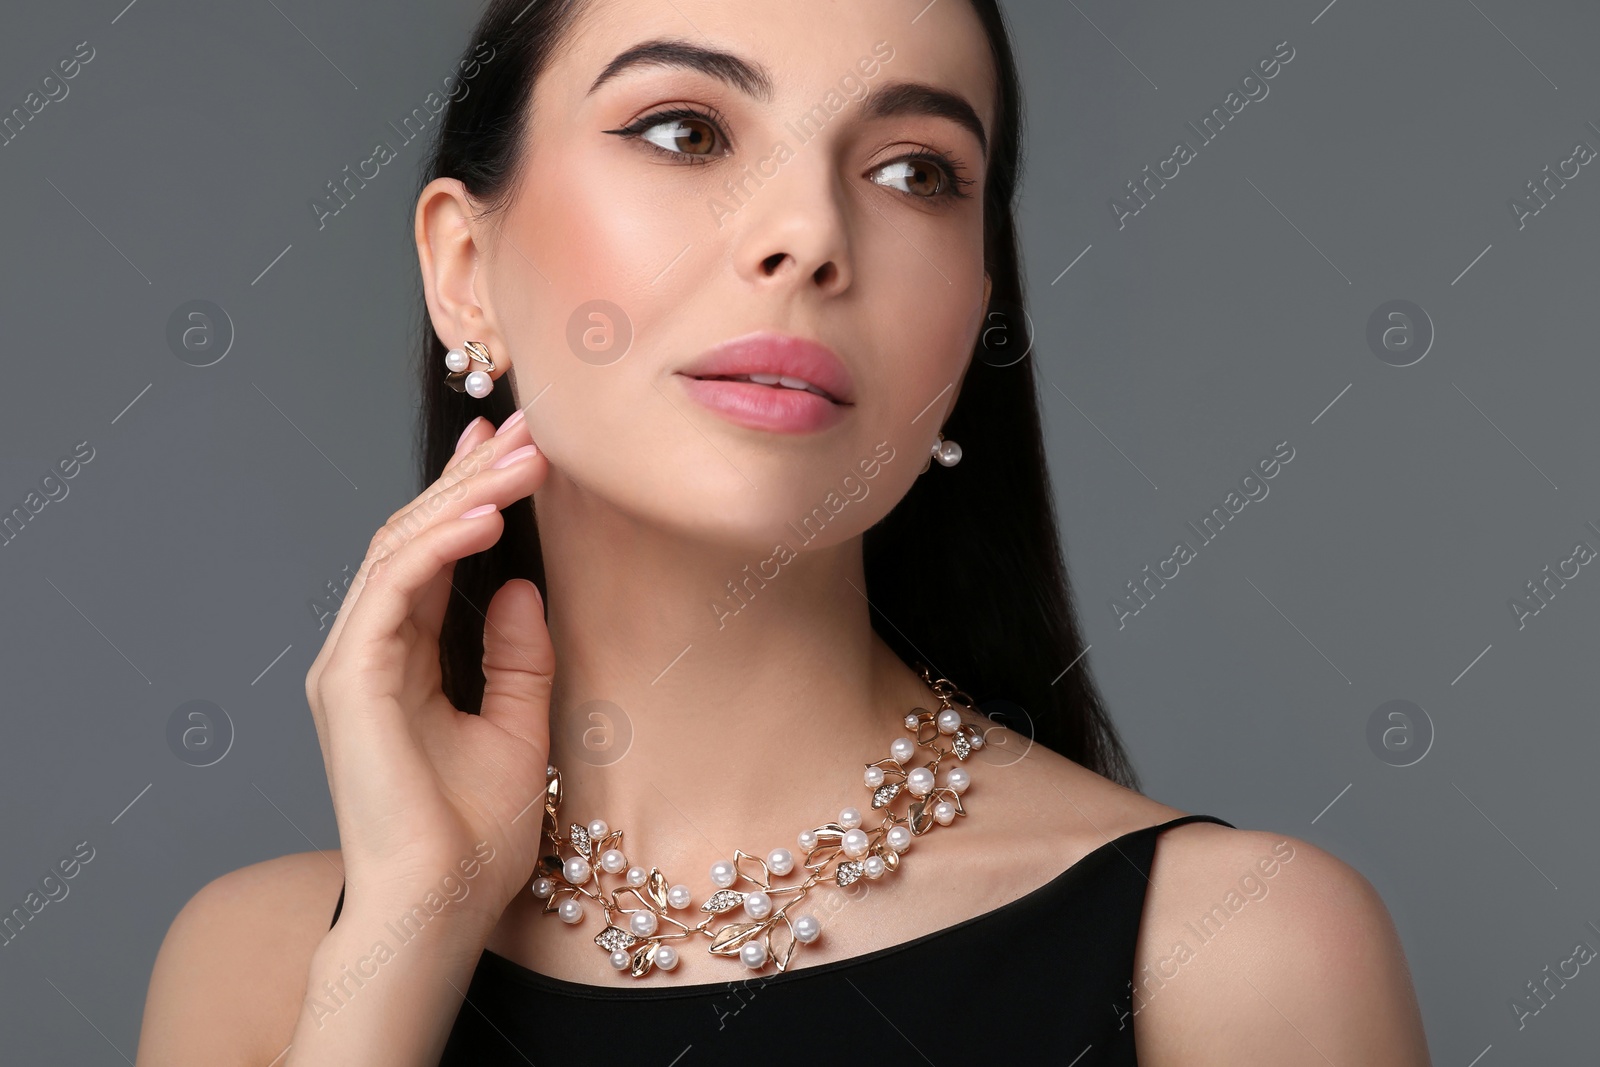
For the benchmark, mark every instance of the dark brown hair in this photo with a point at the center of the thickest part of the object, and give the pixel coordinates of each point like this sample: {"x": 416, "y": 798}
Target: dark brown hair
{"x": 965, "y": 574}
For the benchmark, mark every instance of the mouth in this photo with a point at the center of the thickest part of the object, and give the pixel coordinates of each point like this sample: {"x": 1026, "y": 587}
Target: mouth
{"x": 772, "y": 381}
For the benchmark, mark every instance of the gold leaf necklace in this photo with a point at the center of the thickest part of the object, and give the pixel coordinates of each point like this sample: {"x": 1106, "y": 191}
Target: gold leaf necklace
{"x": 641, "y": 933}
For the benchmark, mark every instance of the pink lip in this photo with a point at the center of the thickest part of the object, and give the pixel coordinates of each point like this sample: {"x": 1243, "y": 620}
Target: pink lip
{"x": 771, "y": 407}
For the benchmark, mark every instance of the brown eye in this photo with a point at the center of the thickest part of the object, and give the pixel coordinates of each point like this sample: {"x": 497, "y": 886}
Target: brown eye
{"x": 916, "y": 177}
{"x": 683, "y": 135}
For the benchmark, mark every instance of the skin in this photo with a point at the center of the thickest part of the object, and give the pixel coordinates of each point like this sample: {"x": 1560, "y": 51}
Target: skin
{"x": 648, "y": 504}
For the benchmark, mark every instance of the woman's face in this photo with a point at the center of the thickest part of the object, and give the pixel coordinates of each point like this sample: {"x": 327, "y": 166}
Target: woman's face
{"x": 792, "y": 168}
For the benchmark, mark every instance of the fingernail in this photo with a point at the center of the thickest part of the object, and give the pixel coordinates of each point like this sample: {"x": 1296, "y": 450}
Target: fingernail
{"x": 481, "y": 509}
{"x": 537, "y": 595}
{"x": 516, "y": 417}
{"x": 465, "y": 433}
{"x": 514, "y": 456}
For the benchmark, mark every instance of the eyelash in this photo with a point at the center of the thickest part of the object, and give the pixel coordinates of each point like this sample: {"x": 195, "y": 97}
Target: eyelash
{"x": 954, "y": 185}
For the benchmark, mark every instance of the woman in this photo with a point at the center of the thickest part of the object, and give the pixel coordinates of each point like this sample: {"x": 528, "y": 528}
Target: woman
{"x": 712, "y": 282}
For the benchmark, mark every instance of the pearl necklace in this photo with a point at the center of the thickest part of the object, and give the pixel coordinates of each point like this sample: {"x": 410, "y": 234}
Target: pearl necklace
{"x": 639, "y": 937}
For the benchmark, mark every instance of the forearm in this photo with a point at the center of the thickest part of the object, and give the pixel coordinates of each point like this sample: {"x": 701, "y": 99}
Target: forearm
{"x": 384, "y": 987}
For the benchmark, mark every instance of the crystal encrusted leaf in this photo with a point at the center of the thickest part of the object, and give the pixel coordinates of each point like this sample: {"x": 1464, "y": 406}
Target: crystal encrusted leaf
{"x": 579, "y": 838}
{"x": 723, "y": 900}
{"x": 848, "y": 872}
{"x": 613, "y": 938}
{"x": 961, "y": 745}
{"x": 886, "y": 792}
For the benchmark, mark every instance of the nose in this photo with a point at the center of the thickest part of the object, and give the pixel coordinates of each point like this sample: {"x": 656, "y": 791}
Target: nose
{"x": 797, "y": 230}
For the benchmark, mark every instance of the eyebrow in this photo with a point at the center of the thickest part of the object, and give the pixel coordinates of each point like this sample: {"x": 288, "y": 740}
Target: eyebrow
{"x": 894, "y": 98}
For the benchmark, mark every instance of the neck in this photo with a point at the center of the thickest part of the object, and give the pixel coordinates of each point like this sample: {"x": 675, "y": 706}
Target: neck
{"x": 699, "y": 721}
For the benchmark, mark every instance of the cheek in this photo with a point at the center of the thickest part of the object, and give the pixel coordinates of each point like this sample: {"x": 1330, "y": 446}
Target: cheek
{"x": 931, "y": 313}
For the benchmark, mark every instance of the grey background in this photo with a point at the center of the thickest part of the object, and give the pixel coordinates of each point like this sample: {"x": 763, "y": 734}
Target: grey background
{"x": 1228, "y": 316}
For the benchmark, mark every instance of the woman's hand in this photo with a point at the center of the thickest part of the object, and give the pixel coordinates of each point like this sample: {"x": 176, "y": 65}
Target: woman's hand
{"x": 417, "y": 784}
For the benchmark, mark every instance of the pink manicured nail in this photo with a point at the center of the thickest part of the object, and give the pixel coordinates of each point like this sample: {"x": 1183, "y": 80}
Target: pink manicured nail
{"x": 481, "y": 509}
{"x": 514, "y": 456}
{"x": 516, "y": 417}
{"x": 466, "y": 433}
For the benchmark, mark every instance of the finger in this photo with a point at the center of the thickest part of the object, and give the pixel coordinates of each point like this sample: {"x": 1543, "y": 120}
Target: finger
{"x": 435, "y": 598}
{"x": 392, "y": 583}
{"x": 476, "y": 480}
{"x": 518, "y": 664}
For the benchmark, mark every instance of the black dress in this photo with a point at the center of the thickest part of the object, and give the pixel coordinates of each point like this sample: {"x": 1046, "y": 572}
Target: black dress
{"x": 1045, "y": 979}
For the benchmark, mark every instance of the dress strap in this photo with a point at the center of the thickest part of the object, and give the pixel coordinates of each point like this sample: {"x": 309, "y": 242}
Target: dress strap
{"x": 1143, "y": 856}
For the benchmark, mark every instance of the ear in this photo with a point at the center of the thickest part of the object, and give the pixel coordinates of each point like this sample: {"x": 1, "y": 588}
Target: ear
{"x": 450, "y": 256}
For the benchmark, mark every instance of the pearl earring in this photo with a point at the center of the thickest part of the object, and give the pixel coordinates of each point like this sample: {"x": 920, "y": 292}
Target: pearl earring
{"x": 948, "y": 453}
{"x": 476, "y": 383}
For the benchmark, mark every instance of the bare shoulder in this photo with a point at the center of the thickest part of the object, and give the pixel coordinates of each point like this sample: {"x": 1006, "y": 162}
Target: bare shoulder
{"x": 1259, "y": 947}
{"x": 228, "y": 981}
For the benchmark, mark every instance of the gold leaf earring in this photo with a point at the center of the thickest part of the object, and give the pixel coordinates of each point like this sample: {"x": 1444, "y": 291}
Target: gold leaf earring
{"x": 476, "y": 382}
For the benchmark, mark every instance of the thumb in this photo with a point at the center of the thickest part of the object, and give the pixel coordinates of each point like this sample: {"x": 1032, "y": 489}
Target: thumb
{"x": 518, "y": 664}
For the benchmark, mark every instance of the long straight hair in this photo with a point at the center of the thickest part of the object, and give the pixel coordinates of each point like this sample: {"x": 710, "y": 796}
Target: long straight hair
{"x": 966, "y": 574}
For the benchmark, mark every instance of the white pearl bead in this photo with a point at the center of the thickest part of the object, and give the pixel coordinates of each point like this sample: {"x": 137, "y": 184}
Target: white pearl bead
{"x": 612, "y": 861}
{"x": 620, "y": 959}
{"x": 543, "y": 887}
{"x": 571, "y": 910}
{"x": 598, "y": 829}
{"x": 949, "y": 453}
{"x": 976, "y": 740}
{"x": 723, "y": 874}
{"x": 576, "y": 870}
{"x": 850, "y": 817}
{"x": 911, "y": 720}
{"x": 806, "y": 929}
{"x": 944, "y": 813}
{"x": 637, "y": 876}
{"x": 678, "y": 896}
{"x": 753, "y": 954}
{"x": 642, "y": 923}
{"x": 873, "y": 778}
{"x": 807, "y": 840}
{"x": 855, "y": 843}
{"x": 479, "y": 384}
{"x": 666, "y": 957}
{"x": 873, "y": 867}
{"x": 949, "y": 721}
{"x": 780, "y": 861}
{"x": 920, "y": 781}
{"x": 958, "y": 779}
{"x": 456, "y": 359}
{"x": 898, "y": 838}
{"x": 902, "y": 749}
{"x": 757, "y": 905}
